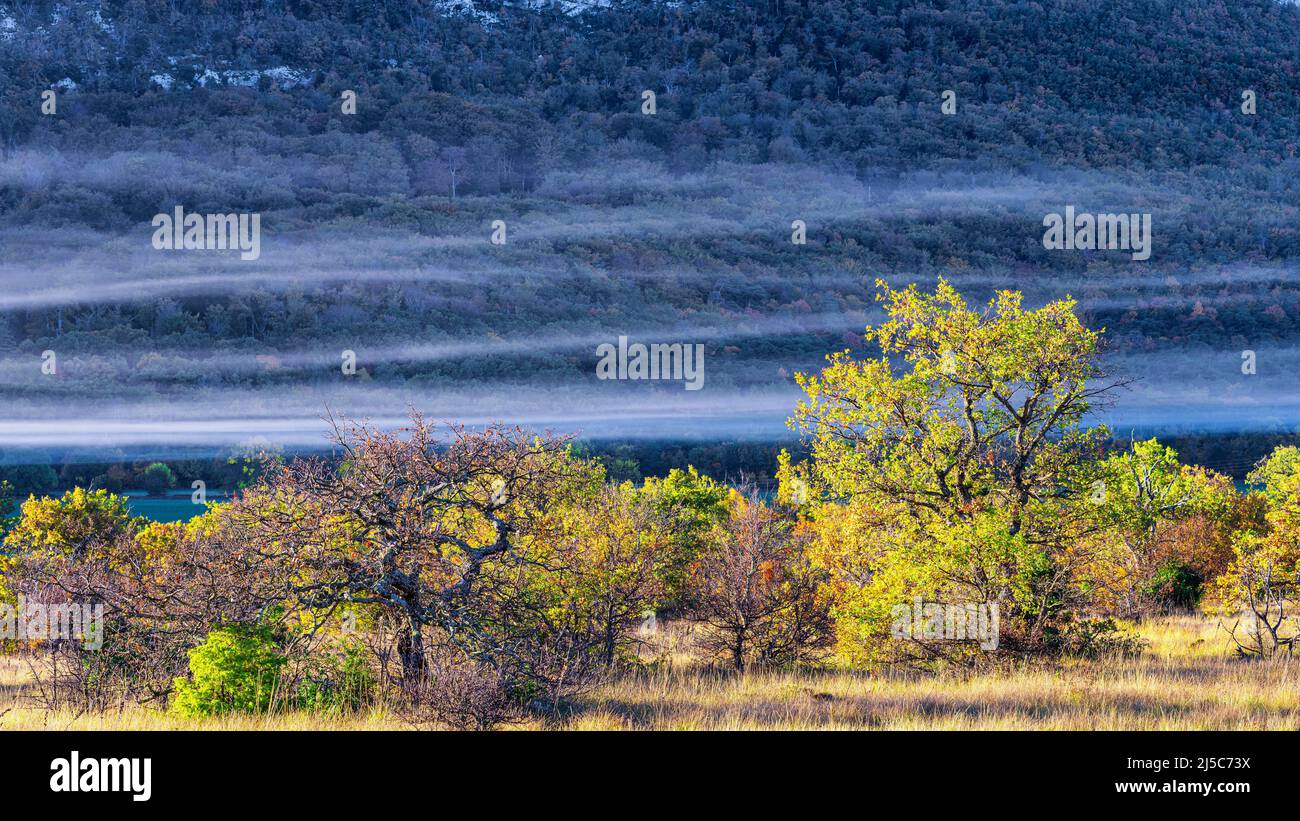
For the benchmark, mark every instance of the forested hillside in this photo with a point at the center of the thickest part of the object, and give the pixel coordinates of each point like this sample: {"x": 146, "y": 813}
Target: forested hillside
{"x": 673, "y": 226}
{"x": 1095, "y": 84}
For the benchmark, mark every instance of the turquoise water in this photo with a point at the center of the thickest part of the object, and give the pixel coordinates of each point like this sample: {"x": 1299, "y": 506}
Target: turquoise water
{"x": 175, "y": 507}
{"x": 171, "y": 508}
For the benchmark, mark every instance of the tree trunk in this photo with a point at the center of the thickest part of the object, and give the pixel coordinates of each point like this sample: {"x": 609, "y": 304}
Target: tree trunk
{"x": 611, "y": 640}
{"x": 410, "y": 646}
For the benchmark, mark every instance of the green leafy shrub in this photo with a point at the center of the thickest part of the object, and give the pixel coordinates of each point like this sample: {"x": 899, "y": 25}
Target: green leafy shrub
{"x": 236, "y": 669}
{"x": 1175, "y": 585}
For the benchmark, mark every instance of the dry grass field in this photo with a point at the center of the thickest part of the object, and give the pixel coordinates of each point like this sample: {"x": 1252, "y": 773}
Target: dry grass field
{"x": 1187, "y": 679}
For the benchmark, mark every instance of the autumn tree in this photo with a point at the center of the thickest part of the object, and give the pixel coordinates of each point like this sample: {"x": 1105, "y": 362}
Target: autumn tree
{"x": 162, "y": 586}
{"x": 430, "y": 524}
{"x": 70, "y": 523}
{"x": 1257, "y": 598}
{"x": 1140, "y": 495}
{"x": 756, "y": 591}
{"x": 963, "y": 448}
{"x": 603, "y": 572}
{"x": 693, "y": 505}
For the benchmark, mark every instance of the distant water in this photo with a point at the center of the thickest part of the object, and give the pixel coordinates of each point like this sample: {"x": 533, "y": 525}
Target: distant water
{"x": 175, "y": 507}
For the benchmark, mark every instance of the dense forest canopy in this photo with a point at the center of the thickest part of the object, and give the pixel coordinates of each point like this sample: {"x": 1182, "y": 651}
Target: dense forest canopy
{"x": 826, "y": 80}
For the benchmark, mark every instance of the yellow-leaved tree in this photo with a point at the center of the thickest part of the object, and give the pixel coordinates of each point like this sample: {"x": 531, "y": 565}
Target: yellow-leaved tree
{"x": 1258, "y": 597}
{"x": 951, "y": 473}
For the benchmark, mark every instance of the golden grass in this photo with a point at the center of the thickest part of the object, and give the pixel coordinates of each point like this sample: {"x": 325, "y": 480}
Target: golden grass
{"x": 1187, "y": 679}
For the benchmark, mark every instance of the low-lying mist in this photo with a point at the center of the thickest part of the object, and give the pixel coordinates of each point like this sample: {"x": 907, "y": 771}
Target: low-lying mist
{"x": 156, "y": 350}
